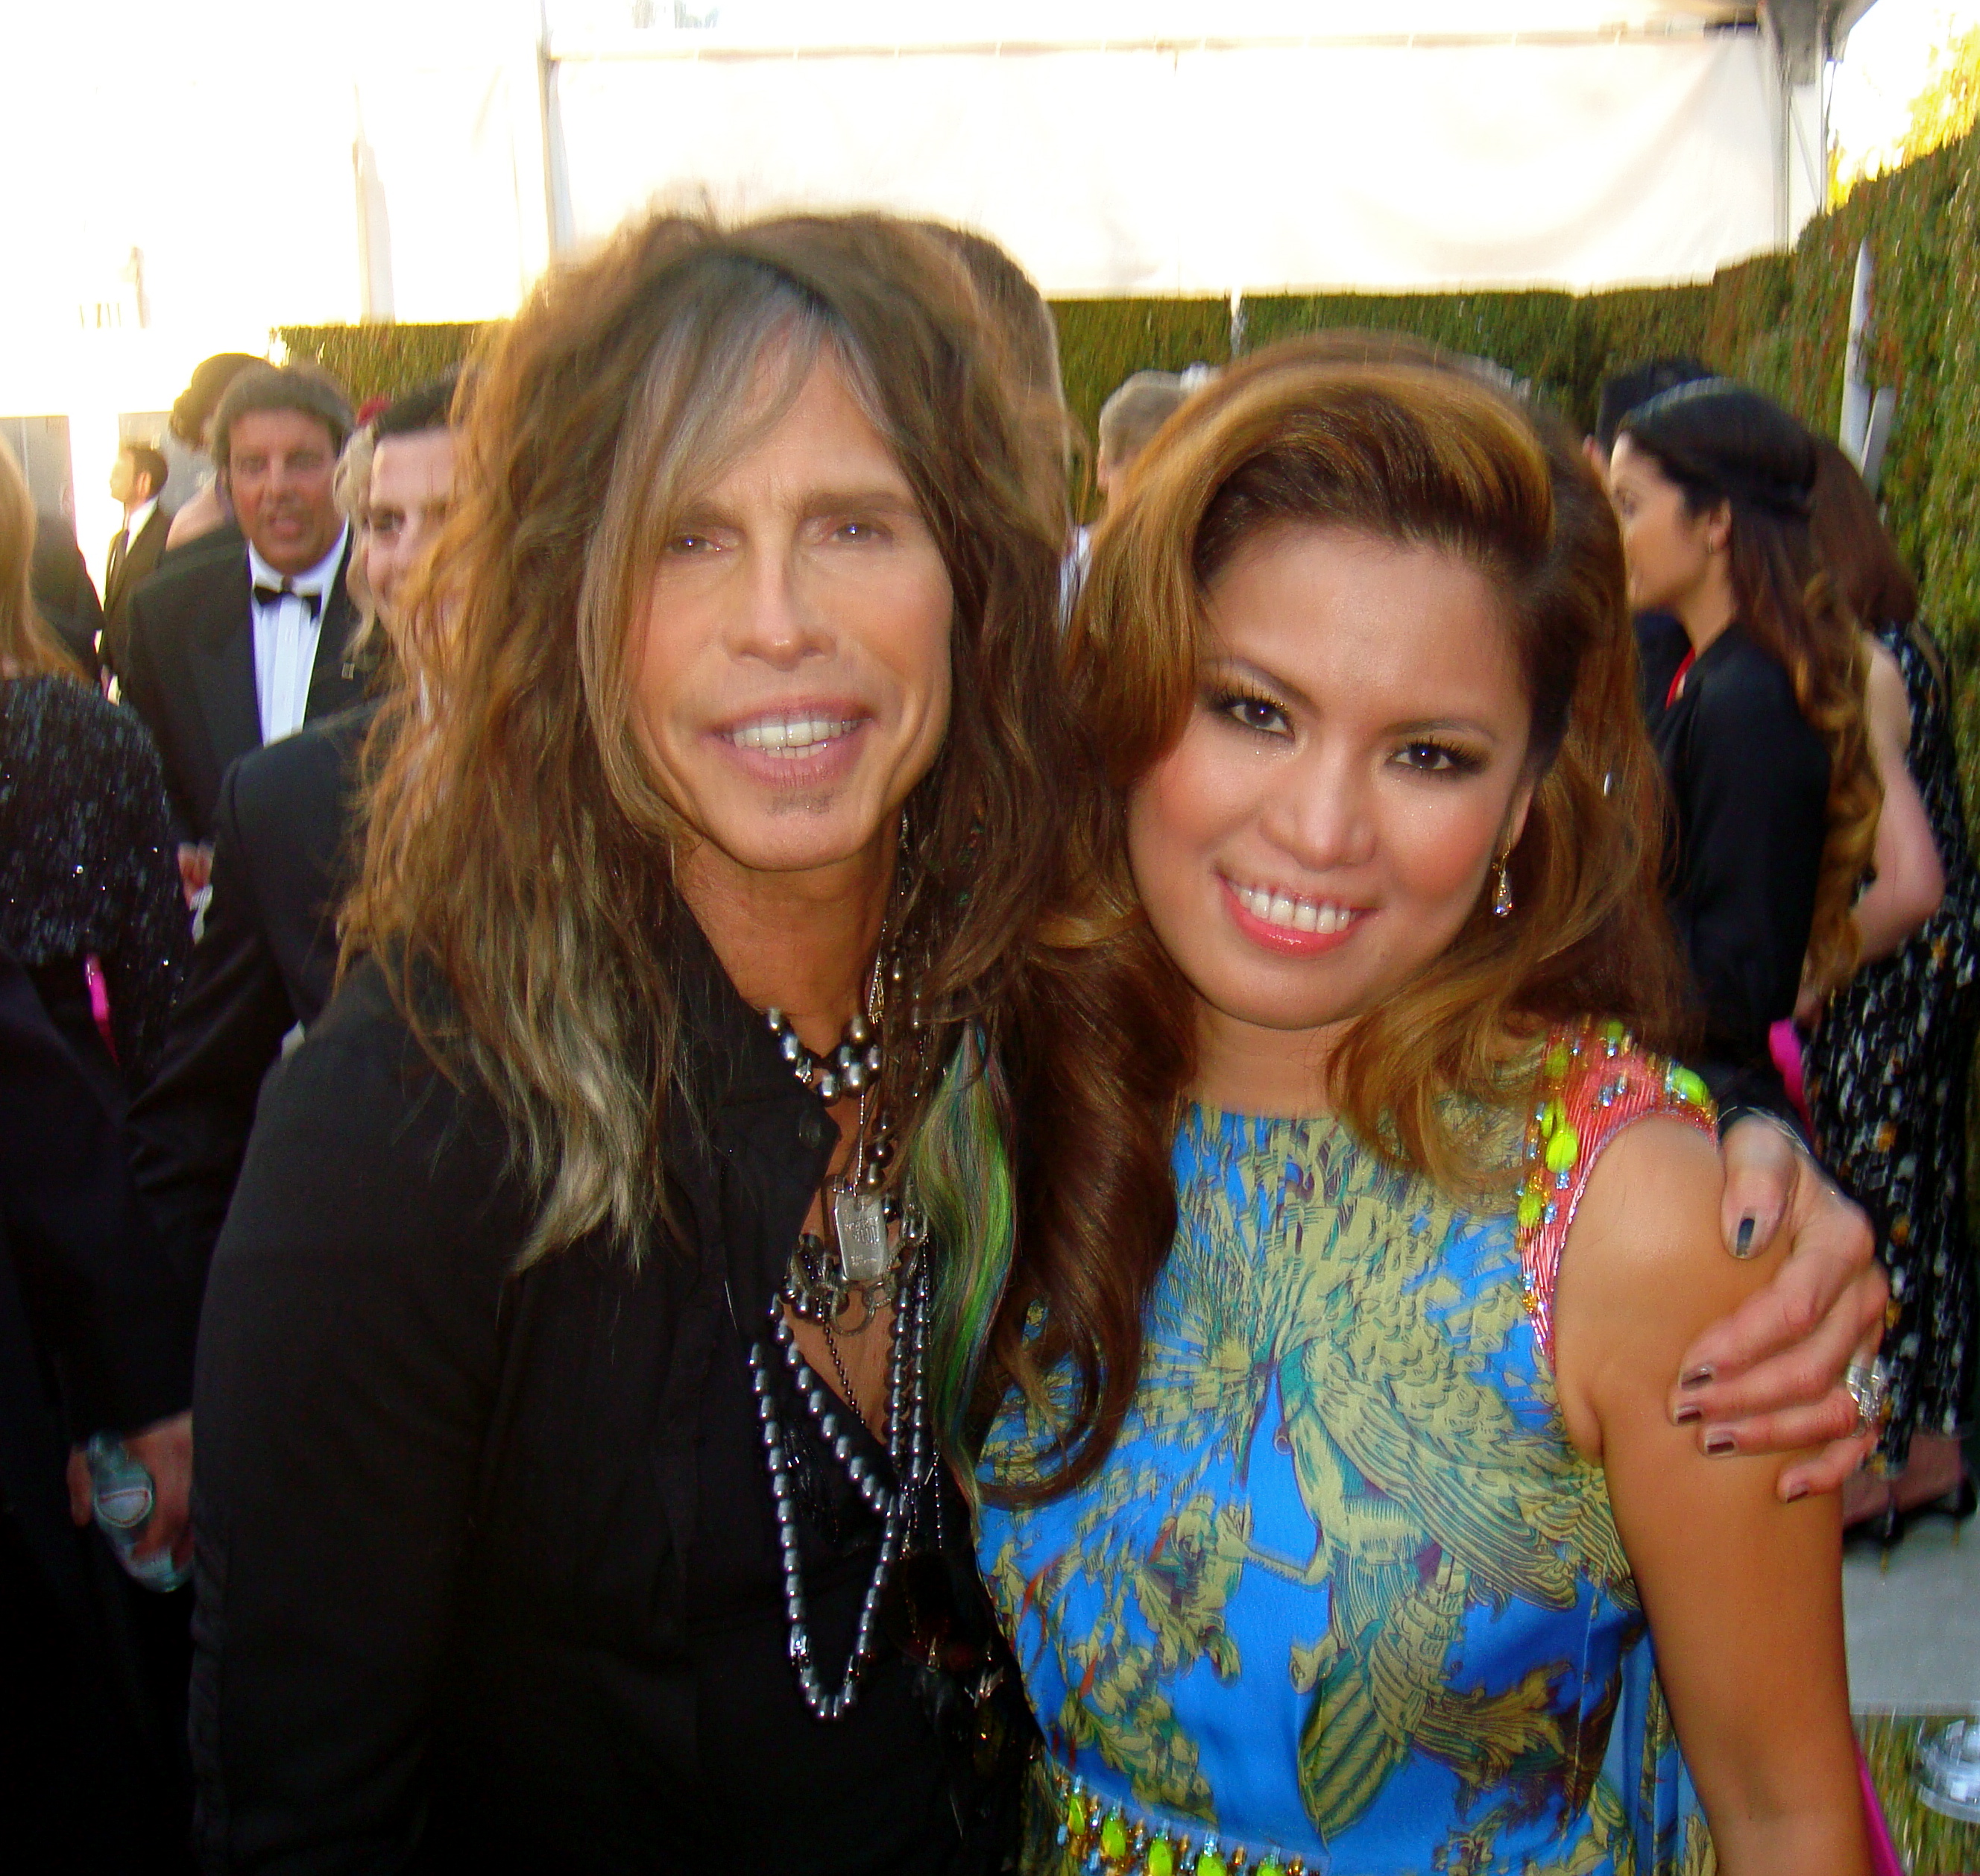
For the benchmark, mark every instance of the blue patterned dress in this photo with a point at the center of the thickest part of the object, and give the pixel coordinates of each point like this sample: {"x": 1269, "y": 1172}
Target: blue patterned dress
{"x": 1343, "y": 1598}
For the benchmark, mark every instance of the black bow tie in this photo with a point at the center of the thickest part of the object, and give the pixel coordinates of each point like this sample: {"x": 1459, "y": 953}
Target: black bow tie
{"x": 267, "y": 596}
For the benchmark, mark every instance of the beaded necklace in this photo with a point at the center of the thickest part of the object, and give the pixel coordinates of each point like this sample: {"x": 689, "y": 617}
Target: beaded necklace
{"x": 873, "y": 1262}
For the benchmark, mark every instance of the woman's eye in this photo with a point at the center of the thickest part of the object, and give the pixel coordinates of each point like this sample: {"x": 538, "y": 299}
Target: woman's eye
{"x": 1257, "y": 713}
{"x": 1436, "y": 759}
{"x": 861, "y": 531}
{"x": 690, "y": 544}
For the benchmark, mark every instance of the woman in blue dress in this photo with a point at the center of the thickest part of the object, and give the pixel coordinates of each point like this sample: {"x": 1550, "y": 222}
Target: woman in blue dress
{"x": 1332, "y": 1505}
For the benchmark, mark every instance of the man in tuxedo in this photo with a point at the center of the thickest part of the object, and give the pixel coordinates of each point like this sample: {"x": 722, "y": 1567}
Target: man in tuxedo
{"x": 226, "y": 653}
{"x": 137, "y": 480}
{"x": 266, "y": 960}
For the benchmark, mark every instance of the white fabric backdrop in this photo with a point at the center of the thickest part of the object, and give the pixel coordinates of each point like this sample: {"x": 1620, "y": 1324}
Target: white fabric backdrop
{"x": 1272, "y": 168}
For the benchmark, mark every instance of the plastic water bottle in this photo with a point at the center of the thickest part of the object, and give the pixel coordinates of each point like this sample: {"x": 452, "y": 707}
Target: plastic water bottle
{"x": 124, "y": 1498}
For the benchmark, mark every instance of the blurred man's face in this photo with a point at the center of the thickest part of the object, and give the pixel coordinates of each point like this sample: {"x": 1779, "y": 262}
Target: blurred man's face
{"x": 279, "y": 465}
{"x": 123, "y": 478}
{"x": 412, "y": 487}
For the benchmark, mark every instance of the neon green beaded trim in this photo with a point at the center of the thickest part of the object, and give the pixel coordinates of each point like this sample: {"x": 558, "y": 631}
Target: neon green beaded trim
{"x": 1107, "y": 1839}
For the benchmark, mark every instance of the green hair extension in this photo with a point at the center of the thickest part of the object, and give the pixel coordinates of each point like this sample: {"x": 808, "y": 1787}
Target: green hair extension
{"x": 962, "y": 1178}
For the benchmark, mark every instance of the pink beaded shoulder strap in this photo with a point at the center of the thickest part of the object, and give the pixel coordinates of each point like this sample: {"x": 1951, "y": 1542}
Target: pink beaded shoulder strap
{"x": 1594, "y": 1082}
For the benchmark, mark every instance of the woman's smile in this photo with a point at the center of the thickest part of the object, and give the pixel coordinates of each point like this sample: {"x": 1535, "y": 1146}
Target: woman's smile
{"x": 1289, "y": 923}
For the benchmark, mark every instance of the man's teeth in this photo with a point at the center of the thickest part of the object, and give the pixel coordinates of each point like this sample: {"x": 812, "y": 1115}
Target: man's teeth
{"x": 1290, "y": 914}
{"x": 791, "y": 736}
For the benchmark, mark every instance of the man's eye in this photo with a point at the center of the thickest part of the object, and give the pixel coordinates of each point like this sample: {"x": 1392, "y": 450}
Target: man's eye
{"x": 861, "y": 531}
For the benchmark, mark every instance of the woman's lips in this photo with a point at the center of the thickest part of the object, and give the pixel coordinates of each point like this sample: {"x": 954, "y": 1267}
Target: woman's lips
{"x": 1292, "y": 925}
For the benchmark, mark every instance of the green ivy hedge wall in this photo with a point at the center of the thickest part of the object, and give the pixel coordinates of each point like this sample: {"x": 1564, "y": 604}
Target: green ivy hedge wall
{"x": 1778, "y": 321}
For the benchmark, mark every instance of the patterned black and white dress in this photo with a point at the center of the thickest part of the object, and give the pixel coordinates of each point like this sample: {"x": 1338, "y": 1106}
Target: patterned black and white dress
{"x": 1887, "y": 1075}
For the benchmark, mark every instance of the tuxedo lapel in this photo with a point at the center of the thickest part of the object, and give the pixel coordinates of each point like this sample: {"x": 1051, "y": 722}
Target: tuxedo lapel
{"x": 221, "y": 655}
{"x": 336, "y": 682}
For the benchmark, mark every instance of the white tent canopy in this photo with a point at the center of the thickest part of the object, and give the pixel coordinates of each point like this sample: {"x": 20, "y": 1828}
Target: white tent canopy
{"x": 188, "y": 177}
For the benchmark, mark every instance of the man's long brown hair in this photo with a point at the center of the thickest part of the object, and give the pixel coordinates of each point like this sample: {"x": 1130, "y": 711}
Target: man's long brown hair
{"x": 1104, "y": 1053}
{"x": 519, "y": 856}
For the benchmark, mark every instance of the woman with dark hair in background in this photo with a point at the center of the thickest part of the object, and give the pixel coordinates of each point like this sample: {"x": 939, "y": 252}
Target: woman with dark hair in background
{"x": 206, "y": 521}
{"x": 1752, "y": 677}
{"x": 1891, "y": 1048}
{"x": 89, "y": 896}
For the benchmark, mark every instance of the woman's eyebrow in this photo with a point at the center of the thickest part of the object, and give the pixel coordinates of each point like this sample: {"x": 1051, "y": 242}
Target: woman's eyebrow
{"x": 1242, "y": 667}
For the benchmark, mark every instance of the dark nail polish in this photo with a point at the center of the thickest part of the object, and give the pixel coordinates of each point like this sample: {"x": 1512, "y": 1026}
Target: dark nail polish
{"x": 1696, "y": 1377}
{"x": 1719, "y": 1444}
{"x": 1689, "y": 1411}
{"x": 1742, "y": 1240}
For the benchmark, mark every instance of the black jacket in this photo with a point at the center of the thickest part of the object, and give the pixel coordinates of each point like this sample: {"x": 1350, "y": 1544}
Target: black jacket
{"x": 487, "y": 1569}
{"x": 188, "y": 670}
{"x": 64, "y": 594}
{"x": 125, "y": 571}
{"x": 1750, "y": 778}
{"x": 265, "y": 963}
{"x": 95, "y": 1332}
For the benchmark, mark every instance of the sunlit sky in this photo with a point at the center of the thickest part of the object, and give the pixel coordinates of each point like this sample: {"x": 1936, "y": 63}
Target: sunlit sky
{"x": 1888, "y": 63}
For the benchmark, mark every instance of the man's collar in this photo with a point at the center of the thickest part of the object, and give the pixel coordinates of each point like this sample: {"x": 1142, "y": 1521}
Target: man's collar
{"x": 317, "y": 579}
{"x": 134, "y": 522}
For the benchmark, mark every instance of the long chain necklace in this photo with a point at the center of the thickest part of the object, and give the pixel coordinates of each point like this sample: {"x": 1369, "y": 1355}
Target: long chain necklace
{"x": 846, "y": 1283}
{"x": 873, "y": 1263}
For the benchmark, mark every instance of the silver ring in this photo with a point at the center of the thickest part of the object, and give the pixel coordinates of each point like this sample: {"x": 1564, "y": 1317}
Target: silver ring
{"x": 1868, "y": 1385}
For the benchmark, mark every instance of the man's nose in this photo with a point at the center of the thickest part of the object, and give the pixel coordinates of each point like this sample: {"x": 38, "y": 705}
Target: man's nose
{"x": 773, "y": 618}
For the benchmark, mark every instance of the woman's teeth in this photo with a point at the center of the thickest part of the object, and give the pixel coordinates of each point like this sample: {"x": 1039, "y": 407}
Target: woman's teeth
{"x": 792, "y": 737}
{"x": 1290, "y": 914}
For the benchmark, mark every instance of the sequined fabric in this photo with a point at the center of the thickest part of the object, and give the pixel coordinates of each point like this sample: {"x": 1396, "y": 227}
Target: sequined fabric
{"x": 87, "y": 863}
{"x": 1342, "y": 1595}
{"x": 1887, "y": 1069}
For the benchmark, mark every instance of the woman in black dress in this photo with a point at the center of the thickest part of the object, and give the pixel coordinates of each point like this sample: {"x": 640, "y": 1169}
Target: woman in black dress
{"x": 1753, "y": 686}
{"x": 1888, "y": 1057}
{"x": 90, "y": 899}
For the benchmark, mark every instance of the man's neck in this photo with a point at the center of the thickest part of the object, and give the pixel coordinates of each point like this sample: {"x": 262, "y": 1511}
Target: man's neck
{"x": 802, "y": 942}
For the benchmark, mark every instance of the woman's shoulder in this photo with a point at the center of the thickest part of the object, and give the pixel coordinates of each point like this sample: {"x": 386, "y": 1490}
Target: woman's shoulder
{"x": 80, "y": 718}
{"x": 1739, "y": 675}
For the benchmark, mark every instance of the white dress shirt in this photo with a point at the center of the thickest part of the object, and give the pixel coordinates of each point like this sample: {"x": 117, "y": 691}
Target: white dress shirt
{"x": 286, "y": 633}
{"x": 134, "y": 522}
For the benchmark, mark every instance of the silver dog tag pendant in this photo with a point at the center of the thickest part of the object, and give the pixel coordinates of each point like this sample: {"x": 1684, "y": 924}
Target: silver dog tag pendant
{"x": 860, "y": 1223}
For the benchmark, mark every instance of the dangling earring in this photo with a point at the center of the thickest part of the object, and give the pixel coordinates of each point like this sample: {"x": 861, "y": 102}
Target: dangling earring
{"x": 1502, "y": 891}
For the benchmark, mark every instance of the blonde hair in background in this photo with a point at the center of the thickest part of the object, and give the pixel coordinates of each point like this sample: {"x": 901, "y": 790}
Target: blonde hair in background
{"x": 27, "y": 647}
{"x": 350, "y": 489}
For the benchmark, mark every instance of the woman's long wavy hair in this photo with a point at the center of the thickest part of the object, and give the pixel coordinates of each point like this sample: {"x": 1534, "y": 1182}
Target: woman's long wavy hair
{"x": 27, "y": 647}
{"x": 1102, "y": 1053}
{"x": 1721, "y": 442}
{"x": 520, "y": 858}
